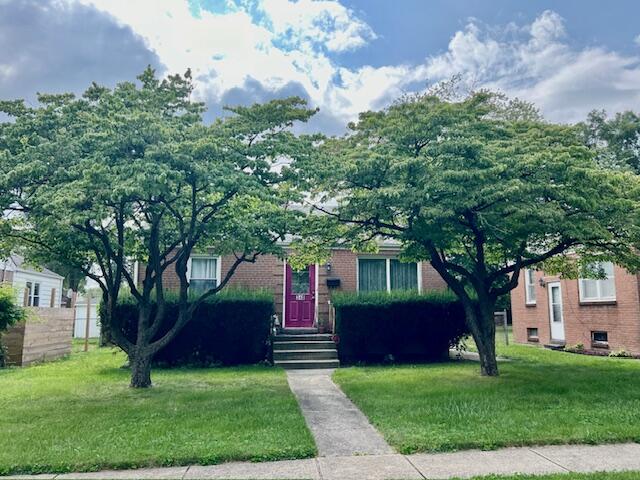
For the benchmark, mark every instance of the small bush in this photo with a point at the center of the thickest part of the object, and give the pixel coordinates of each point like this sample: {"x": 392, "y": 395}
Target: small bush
{"x": 10, "y": 313}
{"x": 231, "y": 328}
{"x": 577, "y": 348}
{"x": 403, "y": 326}
{"x": 622, "y": 353}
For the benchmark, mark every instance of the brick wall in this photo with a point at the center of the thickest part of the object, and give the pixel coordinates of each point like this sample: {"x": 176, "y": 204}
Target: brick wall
{"x": 268, "y": 270}
{"x": 46, "y": 335}
{"x": 620, "y": 319}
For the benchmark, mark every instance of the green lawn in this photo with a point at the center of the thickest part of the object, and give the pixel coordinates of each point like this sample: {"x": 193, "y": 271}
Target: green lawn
{"x": 541, "y": 397}
{"x": 78, "y": 414}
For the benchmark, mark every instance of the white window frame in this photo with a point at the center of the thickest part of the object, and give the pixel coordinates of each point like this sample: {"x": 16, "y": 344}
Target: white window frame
{"x": 32, "y": 296}
{"x": 528, "y": 283}
{"x": 218, "y": 260}
{"x": 387, "y": 270}
{"x": 599, "y": 297}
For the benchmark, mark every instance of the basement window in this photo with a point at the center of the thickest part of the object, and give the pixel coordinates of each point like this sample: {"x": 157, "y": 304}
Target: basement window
{"x": 532, "y": 335}
{"x": 599, "y": 339}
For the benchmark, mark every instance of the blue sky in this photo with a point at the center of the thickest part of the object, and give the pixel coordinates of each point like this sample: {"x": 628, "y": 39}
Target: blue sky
{"x": 343, "y": 56}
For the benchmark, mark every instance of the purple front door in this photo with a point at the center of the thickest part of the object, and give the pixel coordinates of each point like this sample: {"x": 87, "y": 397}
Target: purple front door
{"x": 300, "y": 297}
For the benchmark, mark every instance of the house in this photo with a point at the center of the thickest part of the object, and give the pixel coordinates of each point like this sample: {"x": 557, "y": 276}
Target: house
{"x": 302, "y": 298}
{"x": 35, "y": 287}
{"x": 603, "y": 315}
{"x": 46, "y": 334}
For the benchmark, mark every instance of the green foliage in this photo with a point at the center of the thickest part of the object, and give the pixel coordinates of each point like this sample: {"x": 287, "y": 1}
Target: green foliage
{"x": 402, "y": 326}
{"x": 231, "y": 328}
{"x": 346, "y": 299}
{"x": 616, "y": 141}
{"x": 10, "y": 312}
{"x": 133, "y": 173}
{"x": 478, "y": 187}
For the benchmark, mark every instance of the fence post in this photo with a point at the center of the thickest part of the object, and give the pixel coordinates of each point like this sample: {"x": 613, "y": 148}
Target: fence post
{"x": 87, "y": 320}
{"x": 506, "y": 330}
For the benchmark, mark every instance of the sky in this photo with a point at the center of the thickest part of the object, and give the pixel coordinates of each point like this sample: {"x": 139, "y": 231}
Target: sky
{"x": 343, "y": 56}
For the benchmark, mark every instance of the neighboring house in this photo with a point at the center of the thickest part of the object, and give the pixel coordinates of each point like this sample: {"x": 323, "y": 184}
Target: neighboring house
{"x": 46, "y": 334}
{"x": 302, "y": 299}
{"x": 35, "y": 286}
{"x": 603, "y": 315}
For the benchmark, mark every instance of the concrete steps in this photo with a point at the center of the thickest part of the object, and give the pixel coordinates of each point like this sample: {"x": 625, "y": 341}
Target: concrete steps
{"x": 304, "y": 349}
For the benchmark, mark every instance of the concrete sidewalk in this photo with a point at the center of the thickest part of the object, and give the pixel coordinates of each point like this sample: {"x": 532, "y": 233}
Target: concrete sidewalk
{"x": 338, "y": 427}
{"x": 464, "y": 464}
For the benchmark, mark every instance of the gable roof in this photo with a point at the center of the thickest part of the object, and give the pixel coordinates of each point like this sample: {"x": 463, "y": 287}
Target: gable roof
{"x": 18, "y": 263}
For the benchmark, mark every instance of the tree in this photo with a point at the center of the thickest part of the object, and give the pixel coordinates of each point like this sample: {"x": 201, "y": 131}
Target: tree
{"x": 476, "y": 189}
{"x": 616, "y": 140}
{"x": 132, "y": 174}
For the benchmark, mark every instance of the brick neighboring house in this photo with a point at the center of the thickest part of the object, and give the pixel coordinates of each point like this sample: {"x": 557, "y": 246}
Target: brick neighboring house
{"x": 302, "y": 299}
{"x": 603, "y": 315}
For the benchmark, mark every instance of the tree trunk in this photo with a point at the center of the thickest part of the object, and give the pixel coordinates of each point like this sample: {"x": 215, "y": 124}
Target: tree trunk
{"x": 140, "y": 370}
{"x": 487, "y": 351}
{"x": 483, "y": 329}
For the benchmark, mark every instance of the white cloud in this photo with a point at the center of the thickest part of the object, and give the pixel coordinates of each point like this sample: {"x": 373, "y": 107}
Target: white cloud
{"x": 289, "y": 45}
{"x": 540, "y": 66}
{"x": 317, "y": 22}
{"x": 287, "y": 42}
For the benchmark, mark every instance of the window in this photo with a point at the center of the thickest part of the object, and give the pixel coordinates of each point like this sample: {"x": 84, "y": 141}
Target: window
{"x": 203, "y": 275}
{"x": 600, "y": 339}
{"x": 32, "y": 294}
{"x": 598, "y": 290}
{"x": 532, "y": 334}
{"x": 300, "y": 281}
{"x": 530, "y": 286}
{"x": 380, "y": 274}
{"x": 403, "y": 276}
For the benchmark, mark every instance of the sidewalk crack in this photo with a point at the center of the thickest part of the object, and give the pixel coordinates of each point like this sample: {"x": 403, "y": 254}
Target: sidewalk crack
{"x": 406, "y": 457}
{"x": 549, "y": 460}
{"x": 317, "y": 464}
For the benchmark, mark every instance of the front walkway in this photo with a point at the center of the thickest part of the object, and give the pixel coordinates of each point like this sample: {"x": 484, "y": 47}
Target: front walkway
{"x": 338, "y": 427}
{"x": 464, "y": 464}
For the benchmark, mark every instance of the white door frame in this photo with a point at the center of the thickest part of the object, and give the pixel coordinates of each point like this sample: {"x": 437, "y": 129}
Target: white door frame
{"x": 556, "y": 328}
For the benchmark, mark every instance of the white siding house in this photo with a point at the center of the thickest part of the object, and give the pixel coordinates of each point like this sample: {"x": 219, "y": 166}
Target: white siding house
{"x": 35, "y": 287}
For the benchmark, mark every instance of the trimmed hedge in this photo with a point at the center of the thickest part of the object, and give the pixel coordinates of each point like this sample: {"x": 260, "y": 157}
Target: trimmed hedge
{"x": 231, "y": 328}
{"x": 403, "y": 326}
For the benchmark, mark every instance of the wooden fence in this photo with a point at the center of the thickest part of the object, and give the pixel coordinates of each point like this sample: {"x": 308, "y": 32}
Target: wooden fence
{"x": 45, "y": 335}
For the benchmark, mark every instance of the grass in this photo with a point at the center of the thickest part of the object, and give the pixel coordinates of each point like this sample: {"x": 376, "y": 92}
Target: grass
{"x": 569, "y": 476}
{"x": 78, "y": 414}
{"x": 541, "y": 397}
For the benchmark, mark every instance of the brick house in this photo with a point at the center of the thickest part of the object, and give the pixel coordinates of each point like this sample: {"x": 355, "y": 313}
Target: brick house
{"x": 302, "y": 299}
{"x": 603, "y": 315}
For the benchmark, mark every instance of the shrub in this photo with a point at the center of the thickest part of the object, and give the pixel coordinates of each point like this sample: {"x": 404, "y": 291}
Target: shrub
{"x": 622, "y": 353}
{"x": 398, "y": 326}
{"x": 231, "y": 328}
{"x": 10, "y": 313}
